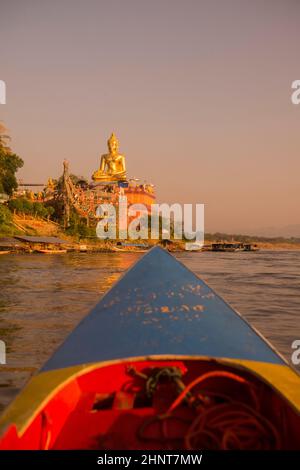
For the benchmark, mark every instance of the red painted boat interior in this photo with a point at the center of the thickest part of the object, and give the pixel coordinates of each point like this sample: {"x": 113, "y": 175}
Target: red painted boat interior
{"x": 162, "y": 405}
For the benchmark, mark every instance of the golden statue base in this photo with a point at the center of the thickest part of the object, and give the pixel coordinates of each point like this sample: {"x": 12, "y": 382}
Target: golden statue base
{"x": 99, "y": 176}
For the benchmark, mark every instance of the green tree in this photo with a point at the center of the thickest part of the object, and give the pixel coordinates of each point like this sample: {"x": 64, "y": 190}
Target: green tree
{"x": 56, "y": 209}
{"x": 38, "y": 209}
{"x": 50, "y": 211}
{"x": 5, "y": 215}
{"x": 22, "y": 205}
{"x": 9, "y": 165}
{"x": 16, "y": 205}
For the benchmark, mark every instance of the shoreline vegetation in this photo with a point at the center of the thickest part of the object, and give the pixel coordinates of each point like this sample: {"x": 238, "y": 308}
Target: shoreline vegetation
{"x": 25, "y": 225}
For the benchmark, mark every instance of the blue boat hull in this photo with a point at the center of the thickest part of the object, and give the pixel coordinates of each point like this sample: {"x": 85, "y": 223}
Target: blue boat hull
{"x": 160, "y": 307}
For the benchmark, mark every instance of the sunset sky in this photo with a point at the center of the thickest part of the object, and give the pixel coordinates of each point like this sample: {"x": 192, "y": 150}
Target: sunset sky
{"x": 198, "y": 93}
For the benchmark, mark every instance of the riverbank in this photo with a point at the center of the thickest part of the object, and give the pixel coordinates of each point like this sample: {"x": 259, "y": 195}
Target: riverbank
{"x": 27, "y": 225}
{"x": 11, "y": 245}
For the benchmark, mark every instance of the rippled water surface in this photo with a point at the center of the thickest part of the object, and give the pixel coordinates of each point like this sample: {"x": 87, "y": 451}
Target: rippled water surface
{"x": 43, "y": 297}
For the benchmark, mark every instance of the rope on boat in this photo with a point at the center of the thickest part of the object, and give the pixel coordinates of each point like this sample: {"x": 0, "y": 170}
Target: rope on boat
{"x": 221, "y": 423}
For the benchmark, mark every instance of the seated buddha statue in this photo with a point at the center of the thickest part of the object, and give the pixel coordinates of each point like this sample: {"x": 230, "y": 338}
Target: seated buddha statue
{"x": 112, "y": 164}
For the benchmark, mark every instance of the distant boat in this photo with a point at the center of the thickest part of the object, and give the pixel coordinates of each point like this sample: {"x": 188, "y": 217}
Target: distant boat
{"x": 233, "y": 247}
{"x": 46, "y": 251}
{"x": 193, "y": 246}
{"x": 5, "y": 252}
{"x": 122, "y": 246}
{"x": 162, "y": 362}
{"x": 250, "y": 247}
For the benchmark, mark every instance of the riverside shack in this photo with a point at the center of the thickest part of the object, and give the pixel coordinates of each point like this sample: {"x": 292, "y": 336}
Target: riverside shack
{"x": 43, "y": 244}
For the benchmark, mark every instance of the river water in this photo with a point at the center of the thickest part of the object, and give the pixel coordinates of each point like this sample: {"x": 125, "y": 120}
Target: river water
{"x": 42, "y": 298}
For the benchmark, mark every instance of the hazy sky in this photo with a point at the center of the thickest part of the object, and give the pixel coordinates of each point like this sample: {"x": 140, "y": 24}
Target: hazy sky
{"x": 198, "y": 93}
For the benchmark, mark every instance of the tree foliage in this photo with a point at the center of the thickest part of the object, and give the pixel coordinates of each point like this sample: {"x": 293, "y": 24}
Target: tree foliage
{"x": 5, "y": 215}
{"x": 78, "y": 226}
{"x": 24, "y": 206}
{"x": 9, "y": 165}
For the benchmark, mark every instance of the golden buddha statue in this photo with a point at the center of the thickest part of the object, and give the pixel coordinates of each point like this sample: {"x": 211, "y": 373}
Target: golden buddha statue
{"x": 112, "y": 165}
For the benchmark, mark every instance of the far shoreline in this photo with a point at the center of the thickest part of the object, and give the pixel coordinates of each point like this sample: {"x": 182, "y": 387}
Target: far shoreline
{"x": 37, "y": 227}
{"x": 73, "y": 245}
